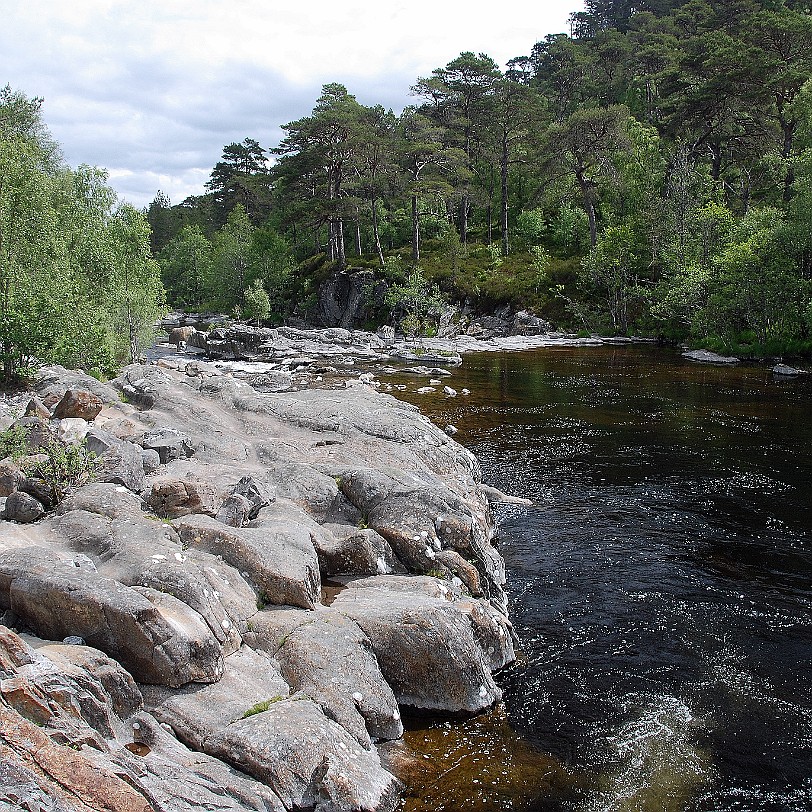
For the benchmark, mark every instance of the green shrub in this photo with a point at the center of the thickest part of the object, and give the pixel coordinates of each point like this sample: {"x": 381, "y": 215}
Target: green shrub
{"x": 13, "y": 443}
{"x": 64, "y": 467}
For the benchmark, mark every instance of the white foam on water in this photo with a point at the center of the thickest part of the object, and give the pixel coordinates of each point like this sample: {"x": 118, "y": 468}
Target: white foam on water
{"x": 651, "y": 762}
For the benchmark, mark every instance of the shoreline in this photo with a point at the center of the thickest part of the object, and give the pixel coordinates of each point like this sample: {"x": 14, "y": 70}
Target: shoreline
{"x": 212, "y": 557}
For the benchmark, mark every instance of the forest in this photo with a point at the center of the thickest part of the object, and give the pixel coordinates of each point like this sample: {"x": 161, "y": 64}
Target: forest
{"x": 648, "y": 173}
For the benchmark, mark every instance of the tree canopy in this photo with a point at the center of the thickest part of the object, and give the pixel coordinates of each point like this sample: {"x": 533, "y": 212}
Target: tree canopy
{"x": 78, "y": 284}
{"x": 659, "y": 146}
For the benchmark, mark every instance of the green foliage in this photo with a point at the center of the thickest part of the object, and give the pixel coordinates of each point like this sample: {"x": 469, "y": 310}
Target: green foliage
{"x": 416, "y": 304}
{"x": 77, "y": 282}
{"x": 13, "y": 443}
{"x": 64, "y": 467}
{"x": 231, "y": 261}
{"x": 653, "y": 173}
{"x": 186, "y": 263}
{"x": 529, "y": 229}
{"x": 257, "y": 304}
{"x": 261, "y": 707}
{"x": 569, "y": 231}
{"x": 611, "y": 275}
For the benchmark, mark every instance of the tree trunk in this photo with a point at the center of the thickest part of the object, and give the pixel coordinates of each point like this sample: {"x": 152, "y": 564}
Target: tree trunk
{"x": 587, "y": 193}
{"x": 415, "y": 232}
{"x": 375, "y": 233}
{"x": 340, "y": 252}
{"x": 358, "y": 250}
{"x": 504, "y": 212}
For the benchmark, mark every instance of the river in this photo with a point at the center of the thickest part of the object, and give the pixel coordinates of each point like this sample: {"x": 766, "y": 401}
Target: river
{"x": 660, "y": 585}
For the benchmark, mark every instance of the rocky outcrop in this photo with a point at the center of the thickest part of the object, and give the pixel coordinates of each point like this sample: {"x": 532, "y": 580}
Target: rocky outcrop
{"x": 350, "y": 298}
{"x": 403, "y": 626}
{"x": 200, "y": 666}
{"x": 74, "y": 736}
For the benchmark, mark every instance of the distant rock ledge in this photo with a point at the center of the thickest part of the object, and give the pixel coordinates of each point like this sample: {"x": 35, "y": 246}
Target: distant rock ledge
{"x": 234, "y": 613}
{"x": 708, "y": 357}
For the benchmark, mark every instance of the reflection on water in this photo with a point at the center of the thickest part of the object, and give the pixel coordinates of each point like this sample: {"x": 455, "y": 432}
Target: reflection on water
{"x": 660, "y": 584}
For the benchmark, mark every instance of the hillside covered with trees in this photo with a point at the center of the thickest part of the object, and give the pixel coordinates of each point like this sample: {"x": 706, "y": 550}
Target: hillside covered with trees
{"x": 651, "y": 172}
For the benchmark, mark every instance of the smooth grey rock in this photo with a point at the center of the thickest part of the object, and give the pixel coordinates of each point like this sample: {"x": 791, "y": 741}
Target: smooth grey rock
{"x": 121, "y": 463}
{"x": 104, "y": 499}
{"x": 244, "y": 502}
{"x": 788, "y": 371}
{"x": 177, "y": 779}
{"x": 420, "y": 520}
{"x": 10, "y": 476}
{"x": 52, "y": 382}
{"x": 249, "y": 721}
{"x": 492, "y": 629}
{"x": 170, "y": 444}
{"x": 235, "y": 511}
{"x": 278, "y": 380}
{"x": 325, "y": 656}
{"x": 84, "y": 663}
{"x": 348, "y": 550}
{"x": 425, "y": 647}
{"x": 23, "y": 508}
{"x": 278, "y": 557}
{"x": 168, "y": 645}
{"x": 464, "y": 570}
{"x": 708, "y": 357}
{"x": 151, "y": 460}
{"x": 323, "y": 768}
{"x": 312, "y": 490}
{"x": 256, "y": 491}
{"x": 250, "y": 680}
{"x": 137, "y": 551}
{"x": 72, "y": 430}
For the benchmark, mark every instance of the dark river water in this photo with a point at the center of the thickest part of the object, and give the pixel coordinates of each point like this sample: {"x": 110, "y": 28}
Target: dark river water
{"x": 660, "y": 585}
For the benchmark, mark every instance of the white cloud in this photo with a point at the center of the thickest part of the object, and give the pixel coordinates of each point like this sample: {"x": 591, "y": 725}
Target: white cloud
{"x": 152, "y": 90}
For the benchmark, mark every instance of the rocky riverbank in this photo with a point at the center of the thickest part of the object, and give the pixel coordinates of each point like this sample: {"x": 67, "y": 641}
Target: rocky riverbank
{"x": 277, "y": 353}
{"x": 234, "y": 612}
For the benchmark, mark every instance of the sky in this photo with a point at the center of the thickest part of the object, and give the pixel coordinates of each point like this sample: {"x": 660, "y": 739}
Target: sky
{"x": 152, "y": 90}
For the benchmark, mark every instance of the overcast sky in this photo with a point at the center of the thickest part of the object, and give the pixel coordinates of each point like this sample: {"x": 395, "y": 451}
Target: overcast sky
{"x": 153, "y": 89}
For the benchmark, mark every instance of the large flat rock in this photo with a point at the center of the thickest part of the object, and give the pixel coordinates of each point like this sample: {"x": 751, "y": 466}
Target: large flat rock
{"x": 165, "y": 643}
{"x": 326, "y": 656}
{"x": 249, "y": 721}
{"x": 426, "y": 648}
{"x": 278, "y": 557}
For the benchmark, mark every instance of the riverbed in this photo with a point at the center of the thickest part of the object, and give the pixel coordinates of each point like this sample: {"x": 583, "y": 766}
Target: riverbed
{"x": 660, "y": 585}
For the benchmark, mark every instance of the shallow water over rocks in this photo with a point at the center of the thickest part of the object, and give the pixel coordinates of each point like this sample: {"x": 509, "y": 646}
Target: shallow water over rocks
{"x": 660, "y": 584}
